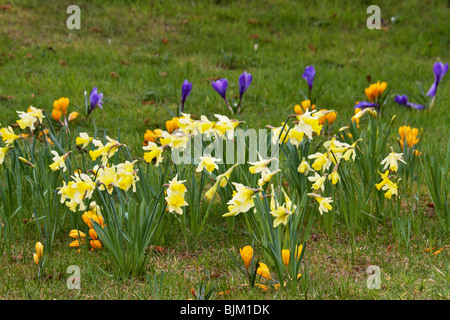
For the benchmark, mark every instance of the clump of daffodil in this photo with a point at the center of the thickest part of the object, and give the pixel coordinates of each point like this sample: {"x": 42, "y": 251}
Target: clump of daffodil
{"x": 175, "y": 195}
{"x": 155, "y": 153}
{"x": 387, "y": 185}
{"x": 375, "y": 90}
{"x": 242, "y": 200}
{"x": 207, "y": 162}
{"x": 324, "y": 203}
{"x": 59, "y": 162}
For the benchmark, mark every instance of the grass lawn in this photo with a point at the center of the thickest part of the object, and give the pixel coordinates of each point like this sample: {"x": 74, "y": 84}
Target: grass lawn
{"x": 138, "y": 53}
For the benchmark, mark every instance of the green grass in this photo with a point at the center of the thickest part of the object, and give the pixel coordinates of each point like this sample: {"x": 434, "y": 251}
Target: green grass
{"x": 208, "y": 39}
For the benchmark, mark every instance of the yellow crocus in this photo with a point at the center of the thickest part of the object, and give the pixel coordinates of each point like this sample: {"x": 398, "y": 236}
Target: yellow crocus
{"x": 247, "y": 255}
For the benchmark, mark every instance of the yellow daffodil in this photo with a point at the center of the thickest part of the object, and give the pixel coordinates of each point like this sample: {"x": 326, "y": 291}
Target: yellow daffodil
{"x": 387, "y": 185}
{"x": 29, "y": 118}
{"x": 324, "y": 203}
{"x": 281, "y": 214}
{"x": 261, "y": 165}
{"x": 127, "y": 175}
{"x": 175, "y": 195}
{"x": 392, "y": 160}
{"x": 242, "y": 200}
{"x": 59, "y": 161}
{"x": 304, "y": 167}
{"x": 8, "y": 135}
{"x": 207, "y": 162}
{"x": 322, "y": 161}
{"x": 3, "y": 152}
{"x": 225, "y": 127}
{"x": 267, "y": 177}
{"x": 155, "y": 153}
{"x": 106, "y": 151}
{"x": 334, "y": 177}
{"x": 83, "y": 140}
{"x": 318, "y": 181}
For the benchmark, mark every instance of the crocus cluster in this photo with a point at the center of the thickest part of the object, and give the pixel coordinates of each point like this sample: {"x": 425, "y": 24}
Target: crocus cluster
{"x": 89, "y": 217}
{"x": 220, "y": 86}
{"x": 60, "y": 110}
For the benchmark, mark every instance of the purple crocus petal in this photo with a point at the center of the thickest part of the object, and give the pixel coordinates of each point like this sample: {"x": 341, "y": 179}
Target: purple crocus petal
{"x": 244, "y": 82}
{"x": 309, "y": 76}
{"x": 416, "y": 106}
{"x": 439, "y": 70}
{"x": 185, "y": 90}
{"x": 401, "y": 100}
{"x": 95, "y": 99}
{"x": 220, "y": 86}
{"x": 364, "y": 104}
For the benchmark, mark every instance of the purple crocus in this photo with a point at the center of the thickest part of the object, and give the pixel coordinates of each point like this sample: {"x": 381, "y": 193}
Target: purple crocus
{"x": 364, "y": 104}
{"x": 439, "y": 69}
{"x": 95, "y": 100}
{"x": 221, "y": 87}
{"x": 244, "y": 82}
{"x": 309, "y": 75}
{"x": 403, "y": 101}
{"x": 185, "y": 91}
